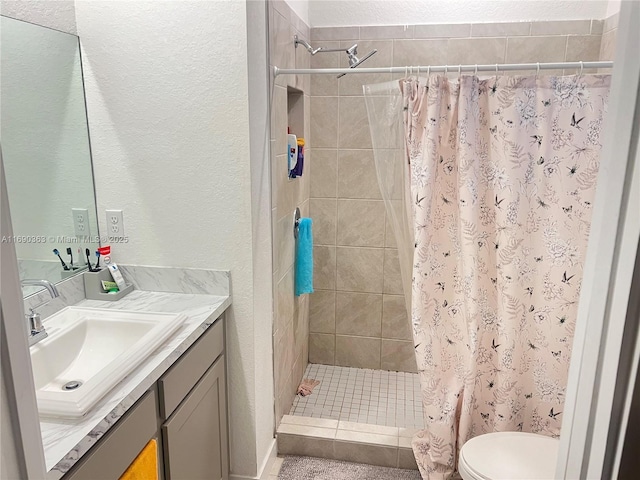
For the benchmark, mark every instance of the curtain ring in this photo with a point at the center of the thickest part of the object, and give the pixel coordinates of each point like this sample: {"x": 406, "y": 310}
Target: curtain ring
{"x": 428, "y": 70}
{"x": 459, "y": 70}
{"x": 446, "y": 70}
{"x": 406, "y": 71}
{"x": 537, "y": 69}
{"x": 581, "y": 67}
{"x": 476, "y": 70}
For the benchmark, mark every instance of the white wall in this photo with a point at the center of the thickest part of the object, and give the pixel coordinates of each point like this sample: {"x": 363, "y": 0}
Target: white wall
{"x": 328, "y": 13}
{"x": 167, "y": 99}
{"x": 58, "y": 14}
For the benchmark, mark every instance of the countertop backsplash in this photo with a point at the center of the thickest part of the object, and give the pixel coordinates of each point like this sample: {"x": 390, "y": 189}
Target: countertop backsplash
{"x": 155, "y": 279}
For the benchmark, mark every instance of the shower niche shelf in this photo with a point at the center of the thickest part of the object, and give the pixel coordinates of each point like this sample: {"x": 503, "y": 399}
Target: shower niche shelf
{"x": 295, "y": 122}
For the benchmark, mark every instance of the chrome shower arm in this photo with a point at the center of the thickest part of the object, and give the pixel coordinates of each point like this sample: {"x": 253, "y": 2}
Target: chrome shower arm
{"x": 298, "y": 41}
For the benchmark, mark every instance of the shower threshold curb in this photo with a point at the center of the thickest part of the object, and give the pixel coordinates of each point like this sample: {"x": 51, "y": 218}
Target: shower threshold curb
{"x": 340, "y": 440}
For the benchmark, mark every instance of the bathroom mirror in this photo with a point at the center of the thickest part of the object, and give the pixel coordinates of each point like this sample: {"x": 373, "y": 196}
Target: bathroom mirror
{"x": 45, "y": 149}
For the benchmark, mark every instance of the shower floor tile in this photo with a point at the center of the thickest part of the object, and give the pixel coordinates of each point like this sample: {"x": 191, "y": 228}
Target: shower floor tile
{"x": 361, "y": 395}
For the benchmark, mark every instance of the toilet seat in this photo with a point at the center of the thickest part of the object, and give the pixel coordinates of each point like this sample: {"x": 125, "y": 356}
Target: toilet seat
{"x": 509, "y": 456}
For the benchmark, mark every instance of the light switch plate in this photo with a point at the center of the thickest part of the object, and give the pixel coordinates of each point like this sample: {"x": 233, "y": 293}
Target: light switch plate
{"x": 115, "y": 223}
{"x": 81, "y": 221}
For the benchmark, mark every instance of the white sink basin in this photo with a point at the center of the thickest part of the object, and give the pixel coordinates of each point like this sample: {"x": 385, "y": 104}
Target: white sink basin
{"x": 96, "y": 348}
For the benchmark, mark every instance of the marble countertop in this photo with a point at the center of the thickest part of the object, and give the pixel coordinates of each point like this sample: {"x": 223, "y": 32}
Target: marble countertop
{"x": 65, "y": 442}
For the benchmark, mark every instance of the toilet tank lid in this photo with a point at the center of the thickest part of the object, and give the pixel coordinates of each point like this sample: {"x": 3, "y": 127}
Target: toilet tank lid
{"x": 511, "y": 455}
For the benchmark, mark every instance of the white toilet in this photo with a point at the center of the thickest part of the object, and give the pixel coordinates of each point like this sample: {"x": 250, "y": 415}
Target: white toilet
{"x": 509, "y": 456}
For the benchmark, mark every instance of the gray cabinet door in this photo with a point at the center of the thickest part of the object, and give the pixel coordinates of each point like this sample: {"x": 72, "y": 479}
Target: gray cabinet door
{"x": 112, "y": 455}
{"x": 195, "y": 436}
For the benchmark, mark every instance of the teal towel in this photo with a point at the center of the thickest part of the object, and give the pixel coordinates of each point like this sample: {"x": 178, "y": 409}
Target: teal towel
{"x": 304, "y": 258}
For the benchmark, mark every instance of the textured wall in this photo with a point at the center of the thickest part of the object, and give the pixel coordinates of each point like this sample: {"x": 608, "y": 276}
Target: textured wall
{"x": 357, "y": 317}
{"x": 384, "y": 12}
{"x": 168, "y": 112}
{"x": 58, "y": 14}
{"x": 291, "y": 322}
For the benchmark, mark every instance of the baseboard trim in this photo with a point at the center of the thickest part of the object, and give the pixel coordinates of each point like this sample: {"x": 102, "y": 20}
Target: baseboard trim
{"x": 266, "y": 465}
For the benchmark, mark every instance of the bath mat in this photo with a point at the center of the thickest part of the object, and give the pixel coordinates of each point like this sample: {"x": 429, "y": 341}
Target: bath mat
{"x": 307, "y": 386}
{"x": 311, "y": 468}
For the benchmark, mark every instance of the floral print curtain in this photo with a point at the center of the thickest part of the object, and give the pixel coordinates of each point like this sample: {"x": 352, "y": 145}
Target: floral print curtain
{"x": 503, "y": 175}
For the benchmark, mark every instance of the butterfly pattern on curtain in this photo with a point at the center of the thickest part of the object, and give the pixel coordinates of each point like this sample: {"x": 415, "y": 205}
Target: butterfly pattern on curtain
{"x": 503, "y": 175}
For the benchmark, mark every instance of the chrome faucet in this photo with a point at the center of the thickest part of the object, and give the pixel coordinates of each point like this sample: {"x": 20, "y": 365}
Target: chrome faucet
{"x": 36, "y": 330}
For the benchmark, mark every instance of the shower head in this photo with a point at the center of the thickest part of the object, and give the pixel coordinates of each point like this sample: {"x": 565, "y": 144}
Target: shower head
{"x": 354, "y": 61}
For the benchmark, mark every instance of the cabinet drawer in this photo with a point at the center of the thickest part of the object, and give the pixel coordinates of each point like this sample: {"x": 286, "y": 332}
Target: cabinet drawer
{"x": 108, "y": 459}
{"x": 185, "y": 373}
{"x": 195, "y": 437}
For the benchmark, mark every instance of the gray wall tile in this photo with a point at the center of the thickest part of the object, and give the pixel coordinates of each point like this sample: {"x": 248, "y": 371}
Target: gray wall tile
{"x": 597, "y": 27}
{"x": 398, "y": 356}
{"x": 386, "y": 31}
{"x": 419, "y": 52}
{"x": 583, "y": 48}
{"x": 454, "y": 30}
{"x": 565, "y": 27}
{"x": 360, "y": 352}
{"x": 354, "y": 123}
{"x": 324, "y": 125}
{"x": 476, "y": 50}
{"x": 360, "y": 223}
{"x": 611, "y": 22}
{"x": 536, "y": 49}
{"x": 359, "y": 269}
{"x": 395, "y": 321}
{"x": 335, "y": 33}
{"x": 322, "y": 348}
{"x": 357, "y": 175}
{"x": 323, "y": 166}
{"x": 358, "y": 314}
{"x": 323, "y": 214}
{"x": 392, "y": 279}
{"x": 608, "y": 45}
{"x": 503, "y": 29}
{"x": 324, "y": 267}
{"x": 322, "y": 311}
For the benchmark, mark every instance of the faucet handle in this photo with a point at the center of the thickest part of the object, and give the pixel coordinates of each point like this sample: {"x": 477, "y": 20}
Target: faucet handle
{"x": 35, "y": 321}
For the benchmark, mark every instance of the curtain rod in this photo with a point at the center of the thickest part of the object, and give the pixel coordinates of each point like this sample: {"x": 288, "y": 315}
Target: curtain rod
{"x": 444, "y": 68}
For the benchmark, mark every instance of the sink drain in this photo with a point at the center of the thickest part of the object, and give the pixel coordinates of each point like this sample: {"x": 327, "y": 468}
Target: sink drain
{"x": 72, "y": 385}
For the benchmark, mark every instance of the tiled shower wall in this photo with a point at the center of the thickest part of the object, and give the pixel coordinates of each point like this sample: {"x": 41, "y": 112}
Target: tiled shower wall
{"x": 357, "y": 315}
{"x": 609, "y": 32}
{"x": 291, "y": 315}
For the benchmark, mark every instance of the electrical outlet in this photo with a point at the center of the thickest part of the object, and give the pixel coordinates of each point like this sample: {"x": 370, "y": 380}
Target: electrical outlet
{"x": 115, "y": 223}
{"x": 81, "y": 221}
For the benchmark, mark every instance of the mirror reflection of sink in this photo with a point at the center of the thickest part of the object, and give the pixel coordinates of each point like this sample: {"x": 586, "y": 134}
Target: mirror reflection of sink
{"x": 88, "y": 351}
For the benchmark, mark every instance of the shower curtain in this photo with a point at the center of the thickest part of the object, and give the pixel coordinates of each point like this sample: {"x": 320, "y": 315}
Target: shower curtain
{"x": 490, "y": 199}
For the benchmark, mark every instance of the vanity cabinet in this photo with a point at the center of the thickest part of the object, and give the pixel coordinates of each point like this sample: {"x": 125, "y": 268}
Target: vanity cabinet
{"x": 194, "y": 436}
{"x": 185, "y": 411}
{"x": 194, "y": 408}
{"x": 114, "y": 452}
